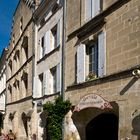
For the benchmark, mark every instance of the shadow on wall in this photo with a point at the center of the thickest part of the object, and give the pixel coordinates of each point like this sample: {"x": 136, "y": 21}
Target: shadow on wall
{"x": 24, "y": 119}
{"x": 129, "y": 85}
{"x": 43, "y": 124}
{"x": 136, "y": 126}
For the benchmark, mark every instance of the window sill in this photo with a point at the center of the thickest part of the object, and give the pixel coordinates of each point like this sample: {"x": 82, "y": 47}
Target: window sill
{"x": 105, "y": 79}
{"x": 48, "y": 54}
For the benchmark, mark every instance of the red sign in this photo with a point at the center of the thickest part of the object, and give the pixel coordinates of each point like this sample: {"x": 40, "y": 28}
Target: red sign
{"x": 92, "y": 100}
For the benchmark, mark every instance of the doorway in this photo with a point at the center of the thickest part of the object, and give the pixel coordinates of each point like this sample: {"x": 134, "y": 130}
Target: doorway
{"x": 103, "y": 127}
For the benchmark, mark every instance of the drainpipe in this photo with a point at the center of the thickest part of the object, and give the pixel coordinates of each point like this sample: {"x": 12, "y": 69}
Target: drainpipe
{"x": 63, "y": 61}
{"x": 63, "y": 51}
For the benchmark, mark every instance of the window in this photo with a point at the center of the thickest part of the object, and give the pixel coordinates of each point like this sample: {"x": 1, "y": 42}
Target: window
{"x": 54, "y": 37}
{"x": 10, "y": 93}
{"x": 25, "y": 49}
{"x": 10, "y": 68}
{"x": 92, "y": 8}
{"x": 42, "y": 48}
{"x": 92, "y": 50}
{"x": 54, "y": 80}
{"x": 41, "y": 84}
{"x": 91, "y": 59}
{"x": 24, "y": 84}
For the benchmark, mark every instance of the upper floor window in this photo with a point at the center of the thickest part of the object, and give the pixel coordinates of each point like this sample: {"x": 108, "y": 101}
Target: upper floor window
{"x": 91, "y": 59}
{"x": 16, "y": 58}
{"x": 92, "y": 52}
{"x": 24, "y": 84}
{"x": 9, "y": 93}
{"x": 54, "y": 37}
{"x": 41, "y": 83}
{"x": 25, "y": 49}
{"x": 10, "y": 68}
{"x": 54, "y": 79}
{"x": 92, "y": 8}
{"x": 42, "y": 48}
{"x": 50, "y": 40}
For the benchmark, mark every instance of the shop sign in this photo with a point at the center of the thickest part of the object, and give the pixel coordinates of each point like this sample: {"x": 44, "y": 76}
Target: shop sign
{"x": 92, "y": 100}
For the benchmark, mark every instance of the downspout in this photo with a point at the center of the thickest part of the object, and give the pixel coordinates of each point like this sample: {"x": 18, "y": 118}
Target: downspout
{"x": 63, "y": 62}
{"x": 63, "y": 51}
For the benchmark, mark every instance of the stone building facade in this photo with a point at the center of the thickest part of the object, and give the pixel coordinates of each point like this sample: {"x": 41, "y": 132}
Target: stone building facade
{"x": 102, "y": 82}
{"x": 19, "y": 73}
{"x": 102, "y": 68}
{"x": 47, "y": 64}
{"x": 2, "y": 86}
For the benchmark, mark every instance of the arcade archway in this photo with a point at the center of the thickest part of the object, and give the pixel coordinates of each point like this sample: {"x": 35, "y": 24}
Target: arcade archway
{"x": 103, "y": 127}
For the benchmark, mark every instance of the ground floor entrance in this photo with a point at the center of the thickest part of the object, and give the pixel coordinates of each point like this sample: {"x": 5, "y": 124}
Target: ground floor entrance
{"x": 103, "y": 127}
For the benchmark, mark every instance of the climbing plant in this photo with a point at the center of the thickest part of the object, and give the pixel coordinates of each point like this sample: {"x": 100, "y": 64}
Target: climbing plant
{"x": 56, "y": 112}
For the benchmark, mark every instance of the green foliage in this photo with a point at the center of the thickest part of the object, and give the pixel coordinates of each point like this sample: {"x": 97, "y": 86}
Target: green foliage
{"x": 55, "y": 114}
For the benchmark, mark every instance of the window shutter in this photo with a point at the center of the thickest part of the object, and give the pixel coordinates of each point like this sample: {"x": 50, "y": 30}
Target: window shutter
{"x": 58, "y": 73}
{"x": 101, "y": 54}
{"x": 36, "y": 92}
{"x": 81, "y": 63}
{"x": 95, "y": 7}
{"x": 46, "y": 82}
{"x": 59, "y": 32}
{"x": 88, "y": 9}
{"x": 47, "y": 44}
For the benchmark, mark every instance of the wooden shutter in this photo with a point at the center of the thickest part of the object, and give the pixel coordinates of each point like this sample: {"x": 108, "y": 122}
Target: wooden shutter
{"x": 58, "y": 81}
{"x": 88, "y": 9}
{"x": 36, "y": 92}
{"x": 46, "y": 82}
{"x": 101, "y": 54}
{"x": 47, "y": 43}
{"x": 95, "y": 7}
{"x": 59, "y": 25}
{"x": 81, "y": 63}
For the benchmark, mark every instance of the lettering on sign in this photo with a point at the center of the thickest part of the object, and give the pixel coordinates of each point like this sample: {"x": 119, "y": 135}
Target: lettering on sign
{"x": 92, "y": 100}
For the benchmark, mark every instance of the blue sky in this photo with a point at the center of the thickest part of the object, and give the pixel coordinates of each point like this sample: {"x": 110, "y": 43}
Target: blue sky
{"x": 7, "y": 9}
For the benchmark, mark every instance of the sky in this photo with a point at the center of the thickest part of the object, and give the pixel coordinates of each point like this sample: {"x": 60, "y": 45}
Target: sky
{"x": 7, "y": 9}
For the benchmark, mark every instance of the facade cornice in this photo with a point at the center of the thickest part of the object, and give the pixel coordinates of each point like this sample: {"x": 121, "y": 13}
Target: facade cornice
{"x": 20, "y": 101}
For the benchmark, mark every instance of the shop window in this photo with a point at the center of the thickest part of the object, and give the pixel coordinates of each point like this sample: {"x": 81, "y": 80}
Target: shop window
{"x": 91, "y": 59}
